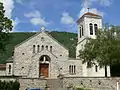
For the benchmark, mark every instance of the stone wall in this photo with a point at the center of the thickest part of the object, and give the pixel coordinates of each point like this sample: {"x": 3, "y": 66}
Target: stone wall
{"x": 27, "y": 82}
{"x": 66, "y": 70}
{"x": 92, "y": 83}
{"x": 25, "y": 61}
{"x": 32, "y": 83}
{"x": 2, "y": 72}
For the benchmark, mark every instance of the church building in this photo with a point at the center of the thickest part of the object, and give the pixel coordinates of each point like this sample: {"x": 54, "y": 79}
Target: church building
{"x": 42, "y": 56}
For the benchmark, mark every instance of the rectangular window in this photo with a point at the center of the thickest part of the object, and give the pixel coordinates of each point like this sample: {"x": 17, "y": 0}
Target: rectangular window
{"x": 96, "y": 68}
{"x": 72, "y": 69}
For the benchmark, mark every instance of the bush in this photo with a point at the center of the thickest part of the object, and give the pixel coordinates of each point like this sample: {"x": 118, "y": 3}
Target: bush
{"x": 5, "y": 85}
{"x": 79, "y": 89}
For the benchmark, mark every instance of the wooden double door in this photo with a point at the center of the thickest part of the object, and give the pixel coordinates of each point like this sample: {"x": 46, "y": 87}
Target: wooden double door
{"x": 44, "y": 68}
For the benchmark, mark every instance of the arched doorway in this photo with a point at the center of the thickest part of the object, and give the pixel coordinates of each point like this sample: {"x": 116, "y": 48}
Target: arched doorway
{"x": 44, "y": 66}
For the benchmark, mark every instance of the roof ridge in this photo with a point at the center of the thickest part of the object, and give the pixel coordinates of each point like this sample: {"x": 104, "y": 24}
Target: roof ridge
{"x": 56, "y": 40}
{"x": 38, "y": 34}
{"x": 27, "y": 39}
{"x": 89, "y": 14}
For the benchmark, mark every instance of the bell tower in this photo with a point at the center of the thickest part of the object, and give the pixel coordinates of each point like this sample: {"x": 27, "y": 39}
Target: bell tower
{"x": 88, "y": 24}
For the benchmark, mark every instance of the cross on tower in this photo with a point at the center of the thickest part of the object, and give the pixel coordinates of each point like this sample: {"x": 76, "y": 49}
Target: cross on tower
{"x": 42, "y": 28}
{"x": 88, "y": 9}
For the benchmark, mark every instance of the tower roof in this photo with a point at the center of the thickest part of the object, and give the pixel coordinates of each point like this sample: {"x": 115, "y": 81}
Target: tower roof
{"x": 89, "y": 14}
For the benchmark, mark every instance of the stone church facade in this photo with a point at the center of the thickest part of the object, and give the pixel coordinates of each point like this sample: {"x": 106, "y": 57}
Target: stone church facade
{"x": 41, "y": 56}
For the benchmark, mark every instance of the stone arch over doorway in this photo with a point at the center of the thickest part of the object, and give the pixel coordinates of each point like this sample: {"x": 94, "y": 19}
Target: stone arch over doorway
{"x": 44, "y": 59}
{"x": 44, "y": 62}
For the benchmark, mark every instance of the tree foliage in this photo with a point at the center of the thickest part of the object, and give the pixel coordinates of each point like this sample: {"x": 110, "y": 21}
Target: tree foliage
{"x": 105, "y": 49}
{"x": 5, "y": 27}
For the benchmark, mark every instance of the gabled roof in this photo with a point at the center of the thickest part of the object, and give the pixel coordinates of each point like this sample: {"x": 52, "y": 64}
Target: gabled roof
{"x": 38, "y": 34}
{"x": 56, "y": 41}
{"x": 89, "y": 14}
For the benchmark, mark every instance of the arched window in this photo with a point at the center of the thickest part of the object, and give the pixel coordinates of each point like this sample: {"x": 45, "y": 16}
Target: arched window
{"x": 46, "y": 47}
{"x": 95, "y": 28}
{"x": 96, "y": 68}
{"x": 42, "y": 47}
{"x": 33, "y": 48}
{"x": 80, "y": 32}
{"x": 70, "y": 69}
{"x": 74, "y": 69}
{"x": 50, "y": 48}
{"x": 38, "y": 48}
{"x": 9, "y": 69}
{"x": 91, "y": 28}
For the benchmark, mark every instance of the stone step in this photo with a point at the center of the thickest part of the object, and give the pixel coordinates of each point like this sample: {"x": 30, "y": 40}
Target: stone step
{"x": 55, "y": 84}
{"x": 56, "y": 89}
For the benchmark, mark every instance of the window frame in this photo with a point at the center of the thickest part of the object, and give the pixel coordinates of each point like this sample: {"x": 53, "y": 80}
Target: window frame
{"x": 51, "y": 48}
{"x": 80, "y": 32}
{"x": 95, "y": 28}
{"x": 72, "y": 69}
{"x": 46, "y": 47}
{"x": 91, "y": 28}
{"x": 33, "y": 48}
{"x": 9, "y": 67}
{"x": 96, "y": 68}
{"x": 42, "y": 47}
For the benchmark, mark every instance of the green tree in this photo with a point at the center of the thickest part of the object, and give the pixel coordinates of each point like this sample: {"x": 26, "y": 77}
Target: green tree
{"x": 105, "y": 49}
{"x": 5, "y": 27}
